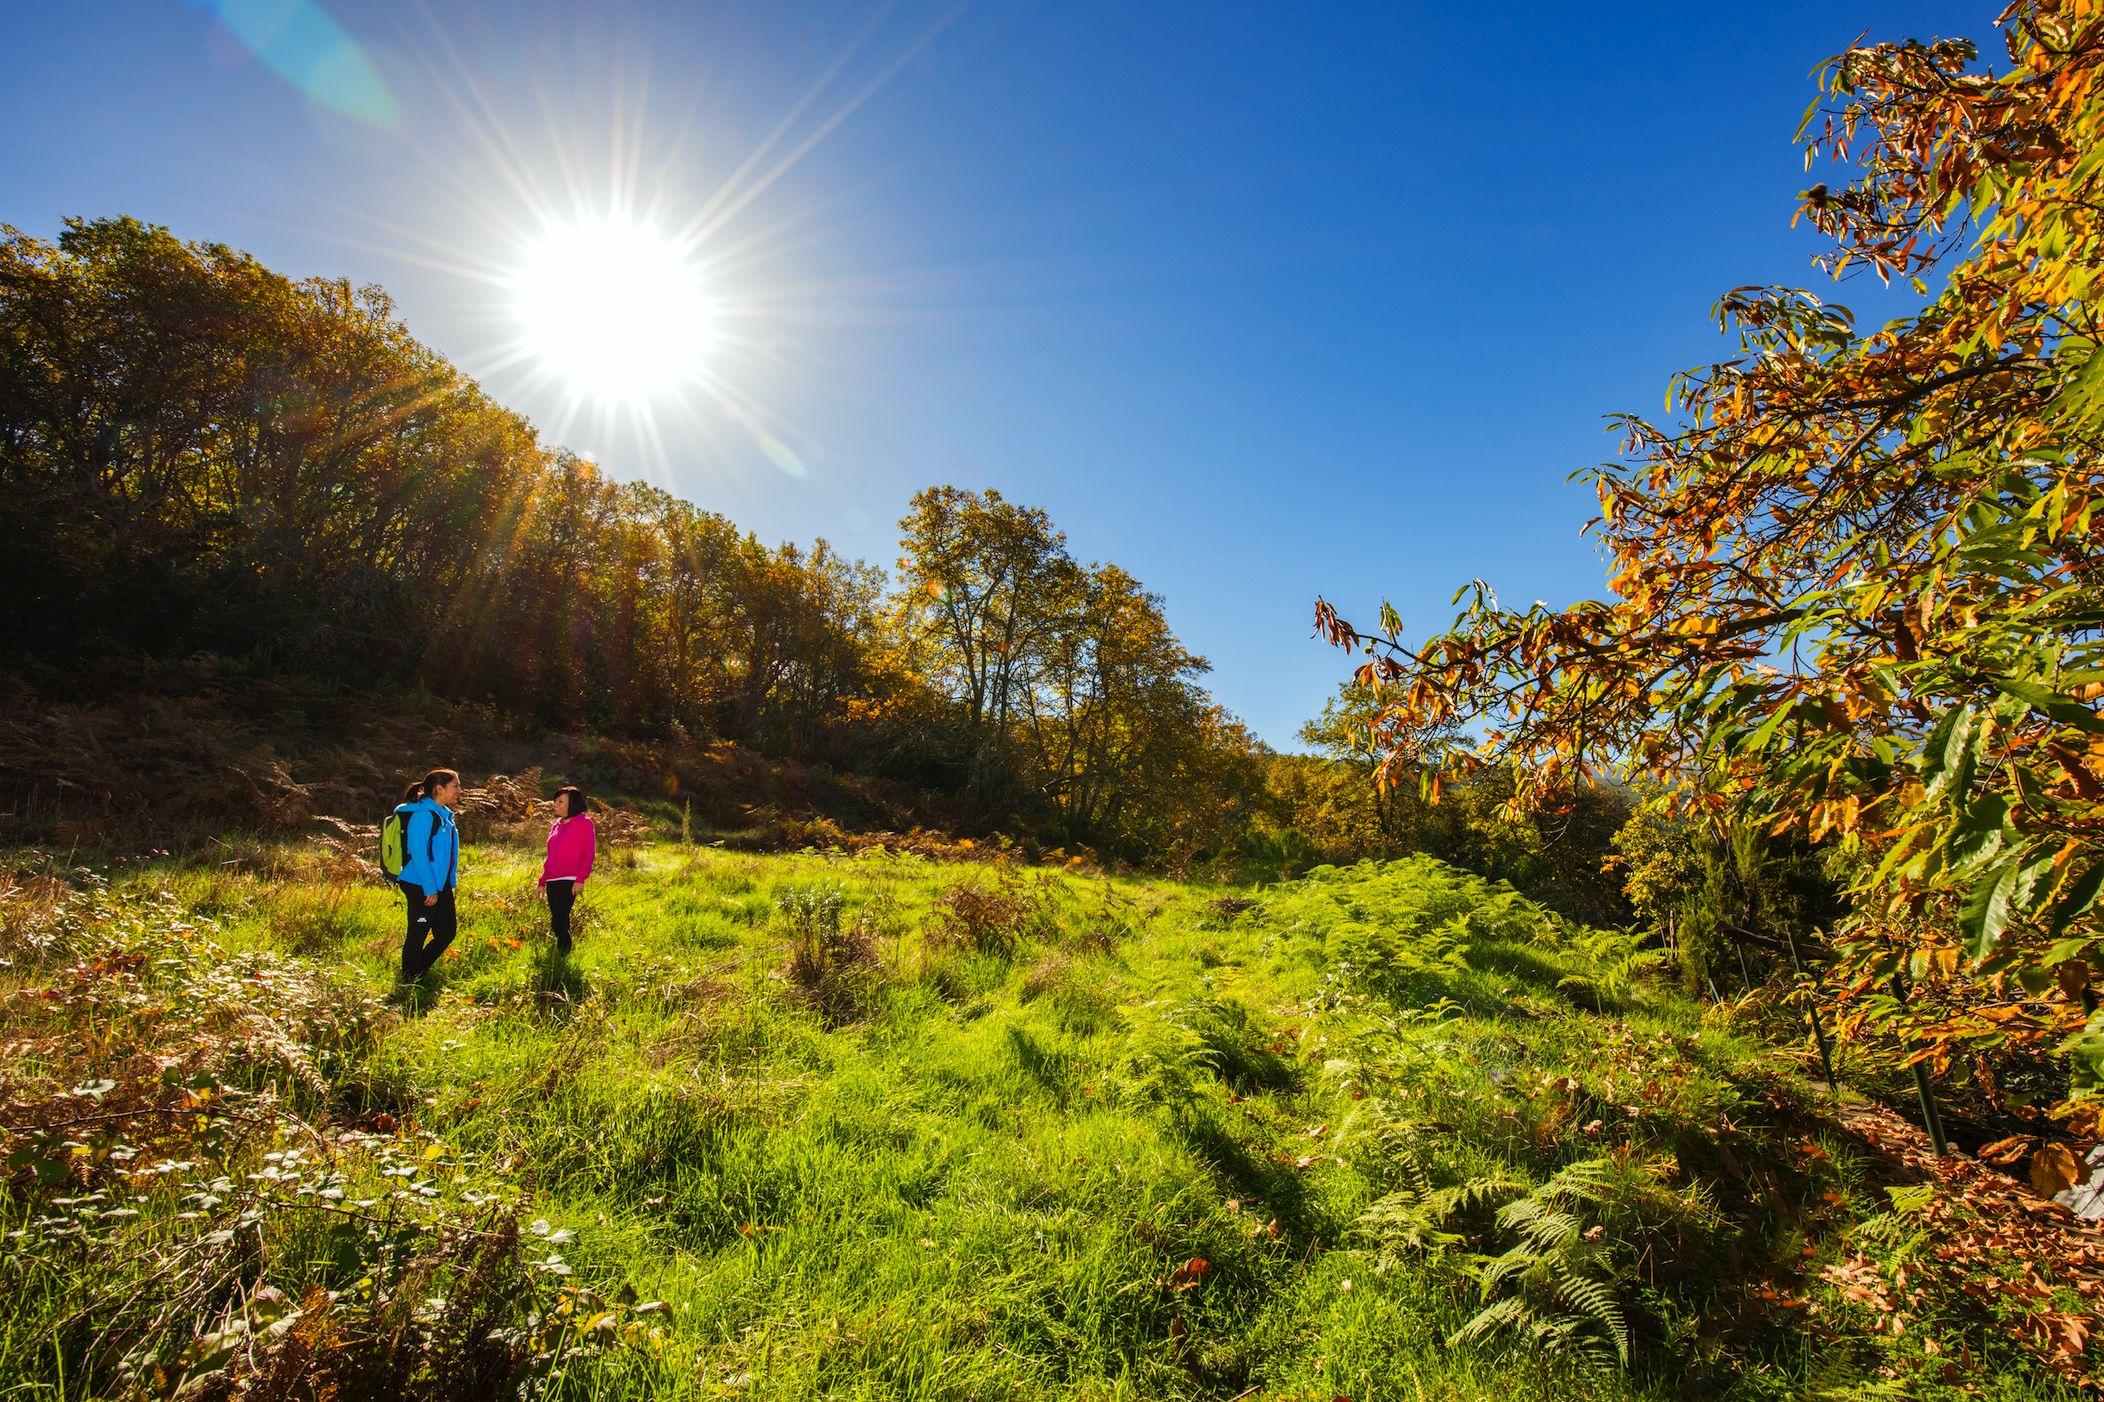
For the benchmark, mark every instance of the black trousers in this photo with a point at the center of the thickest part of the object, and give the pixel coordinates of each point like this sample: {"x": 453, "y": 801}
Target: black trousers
{"x": 561, "y": 896}
{"x": 431, "y": 929}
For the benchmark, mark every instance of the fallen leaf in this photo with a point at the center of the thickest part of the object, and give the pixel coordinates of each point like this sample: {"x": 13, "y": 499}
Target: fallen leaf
{"x": 2055, "y": 1169}
{"x": 1190, "y": 1274}
{"x": 2004, "y": 1152}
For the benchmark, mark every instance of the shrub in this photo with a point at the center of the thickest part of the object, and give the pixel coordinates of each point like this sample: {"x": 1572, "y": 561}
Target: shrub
{"x": 828, "y": 966}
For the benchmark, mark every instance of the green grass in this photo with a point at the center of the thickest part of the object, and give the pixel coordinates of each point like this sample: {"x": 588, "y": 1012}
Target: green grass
{"x": 940, "y": 1166}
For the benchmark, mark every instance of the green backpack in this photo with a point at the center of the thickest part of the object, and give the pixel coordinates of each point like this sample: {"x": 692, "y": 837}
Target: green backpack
{"x": 394, "y": 844}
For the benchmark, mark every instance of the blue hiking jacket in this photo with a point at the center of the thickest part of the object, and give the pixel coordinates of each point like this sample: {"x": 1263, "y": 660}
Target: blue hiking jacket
{"x": 431, "y": 846}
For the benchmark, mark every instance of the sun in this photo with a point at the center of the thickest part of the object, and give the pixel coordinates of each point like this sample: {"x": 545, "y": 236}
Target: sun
{"x": 614, "y": 308}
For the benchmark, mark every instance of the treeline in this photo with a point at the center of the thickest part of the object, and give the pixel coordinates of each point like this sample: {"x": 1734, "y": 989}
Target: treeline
{"x": 198, "y": 455}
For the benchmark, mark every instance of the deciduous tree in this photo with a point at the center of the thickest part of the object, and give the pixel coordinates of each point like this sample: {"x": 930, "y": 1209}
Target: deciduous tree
{"x": 1855, "y": 576}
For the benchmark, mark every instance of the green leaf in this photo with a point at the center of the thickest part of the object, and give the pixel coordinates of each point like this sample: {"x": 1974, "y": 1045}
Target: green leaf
{"x": 2063, "y": 950}
{"x": 2034, "y": 881}
{"x": 2081, "y": 398}
{"x": 2085, "y": 1053}
{"x": 1987, "y": 909}
{"x": 1761, "y": 737}
{"x": 2079, "y": 898}
{"x": 1981, "y": 833}
{"x": 2064, "y": 709}
{"x": 1946, "y": 756}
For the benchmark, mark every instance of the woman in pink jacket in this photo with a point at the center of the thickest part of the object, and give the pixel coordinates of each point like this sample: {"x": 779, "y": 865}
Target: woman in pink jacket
{"x": 569, "y": 863}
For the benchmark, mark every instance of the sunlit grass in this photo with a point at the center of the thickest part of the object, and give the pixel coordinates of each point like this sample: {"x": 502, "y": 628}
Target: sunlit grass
{"x": 978, "y": 1185}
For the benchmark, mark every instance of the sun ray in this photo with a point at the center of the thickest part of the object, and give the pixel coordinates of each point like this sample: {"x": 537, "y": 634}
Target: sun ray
{"x": 489, "y": 130}
{"x": 458, "y": 268}
{"x": 624, "y": 315}
{"x": 826, "y": 128}
{"x": 781, "y": 128}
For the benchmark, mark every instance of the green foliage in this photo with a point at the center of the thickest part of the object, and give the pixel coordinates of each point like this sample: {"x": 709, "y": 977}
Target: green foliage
{"x": 1908, "y": 514}
{"x": 830, "y": 964}
{"x": 1347, "y": 801}
{"x": 1737, "y": 904}
{"x": 1401, "y": 930}
{"x": 1074, "y": 704}
{"x": 1614, "y": 961}
{"x": 1563, "y": 1277}
{"x": 1166, "y": 1063}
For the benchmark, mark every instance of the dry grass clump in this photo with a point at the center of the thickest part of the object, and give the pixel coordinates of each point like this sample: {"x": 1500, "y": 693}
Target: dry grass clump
{"x": 981, "y": 918}
{"x": 996, "y": 917}
{"x": 438, "y": 1324}
{"x": 127, "y": 752}
{"x": 28, "y": 903}
{"x": 1045, "y": 976}
{"x": 773, "y": 832}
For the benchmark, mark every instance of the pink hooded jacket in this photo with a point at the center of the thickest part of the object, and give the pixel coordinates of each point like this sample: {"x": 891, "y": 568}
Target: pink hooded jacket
{"x": 570, "y": 844}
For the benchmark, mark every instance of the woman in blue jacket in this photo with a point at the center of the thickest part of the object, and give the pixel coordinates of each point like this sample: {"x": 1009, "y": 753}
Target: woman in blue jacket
{"x": 430, "y": 869}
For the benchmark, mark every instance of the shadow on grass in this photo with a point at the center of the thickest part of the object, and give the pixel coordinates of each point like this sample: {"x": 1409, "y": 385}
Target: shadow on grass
{"x": 1531, "y": 966}
{"x": 1241, "y": 1049}
{"x": 555, "y": 981}
{"x": 1274, "y": 1184}
{"x": 1053, "y": 1071}
{"x": 418, "y": 996}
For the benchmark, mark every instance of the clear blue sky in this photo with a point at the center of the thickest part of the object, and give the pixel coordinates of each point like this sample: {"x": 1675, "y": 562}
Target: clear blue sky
{"x": 1259, "y": 301}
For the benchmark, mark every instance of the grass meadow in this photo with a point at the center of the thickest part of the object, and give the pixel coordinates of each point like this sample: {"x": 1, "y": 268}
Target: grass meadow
{"x": 818, "y": 1125}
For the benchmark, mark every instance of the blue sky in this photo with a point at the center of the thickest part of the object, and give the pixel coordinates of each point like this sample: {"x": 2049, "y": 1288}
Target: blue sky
{"x": 1259, "y": 301}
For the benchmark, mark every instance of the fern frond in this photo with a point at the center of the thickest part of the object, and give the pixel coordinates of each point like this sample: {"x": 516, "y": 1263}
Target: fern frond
{"x": 1447, "y": 1201}
{"x": 1583, "y": 1181}
{"x": 1503, "y": 1314}
{"x": 1596, "y": 1298}
{"x": 1558, "y": 1232}
{"x": 1518, "y": 1261}
{"x": 1547, "y": 1230}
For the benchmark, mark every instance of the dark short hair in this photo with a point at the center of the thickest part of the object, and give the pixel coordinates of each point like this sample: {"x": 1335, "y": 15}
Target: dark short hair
{"x": 579, "y": 804}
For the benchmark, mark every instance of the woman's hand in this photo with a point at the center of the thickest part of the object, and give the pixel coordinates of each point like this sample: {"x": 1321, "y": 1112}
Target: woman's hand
{"x": 431, "y": 899}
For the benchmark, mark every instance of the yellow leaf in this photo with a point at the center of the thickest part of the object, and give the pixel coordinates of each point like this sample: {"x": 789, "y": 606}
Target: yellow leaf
{"x": 2055, "y": 1169}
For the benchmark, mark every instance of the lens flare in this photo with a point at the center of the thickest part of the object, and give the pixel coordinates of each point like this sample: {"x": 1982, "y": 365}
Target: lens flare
{"x": 301, "y": 43}
{"x": 614, "y": 308}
